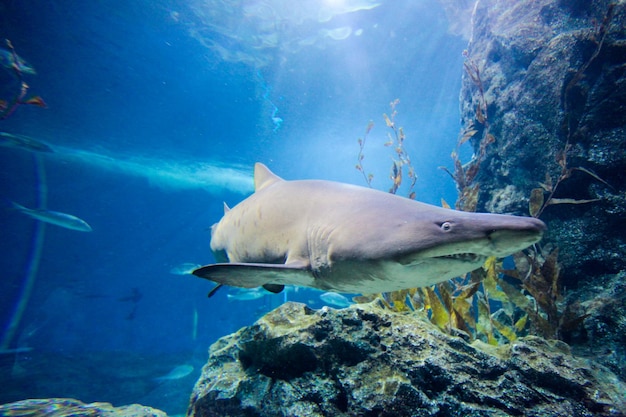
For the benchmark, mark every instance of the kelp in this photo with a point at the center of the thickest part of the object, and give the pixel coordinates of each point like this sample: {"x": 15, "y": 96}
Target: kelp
{"x": 488, "y": 304}
{"x": 491, "y": 304}
{"x": 359, "y": 165}
{"x": 461, "y": 305}
{"x": 539, "y": 273}
{"x": 473, "y": 72}
{"x": 400, "y": 162}
{"x": 396, "y": 140}
{"x": 464, "y": 175}
{"x": 542, "y": 197}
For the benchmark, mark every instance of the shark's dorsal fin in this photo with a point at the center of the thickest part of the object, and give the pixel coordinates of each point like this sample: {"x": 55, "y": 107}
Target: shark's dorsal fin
{"x": 263, "y": 177}
{"x": 226, "y": 208}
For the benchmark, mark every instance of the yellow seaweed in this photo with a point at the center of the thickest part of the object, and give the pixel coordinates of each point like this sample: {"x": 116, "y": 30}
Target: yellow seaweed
{"x": 520, "y": 324}
{"x": 440, "y": 316}
{"x": 535, "y": 202}
{"x": 484, "y": 324}
{"x": 504, "y": 330}
{"x": 491, "y": 267}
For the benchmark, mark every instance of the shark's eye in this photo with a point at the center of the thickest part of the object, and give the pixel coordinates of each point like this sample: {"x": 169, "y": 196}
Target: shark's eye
{"x": 446, "y": 226}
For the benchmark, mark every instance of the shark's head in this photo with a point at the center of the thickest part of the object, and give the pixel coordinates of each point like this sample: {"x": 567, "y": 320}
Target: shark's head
{"x": 452, "y": 243}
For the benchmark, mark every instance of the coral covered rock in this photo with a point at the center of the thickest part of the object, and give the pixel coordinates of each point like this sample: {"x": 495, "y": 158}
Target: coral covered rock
{"x": 546, "y": 77}
{"x": 603, "y": 304}
{"x": 62, "y": 407}
{"x": 367, "y": 361}
{"x": 546, "y": 85}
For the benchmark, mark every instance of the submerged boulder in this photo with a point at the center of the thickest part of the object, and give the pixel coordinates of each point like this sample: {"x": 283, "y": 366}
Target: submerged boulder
{"x": 602, "y": 335}
{"x": 63, "y": 407}
{"x": 367, "y": 361}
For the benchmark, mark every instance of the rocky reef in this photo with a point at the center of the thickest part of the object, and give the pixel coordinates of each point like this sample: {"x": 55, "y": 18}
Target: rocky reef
{"x": 544, "y": 94}
{"x": 602, "y": 335}
{"x": 63, "y": 407}
{"x": 543, "y": 105}
{"x": 368, "y": 361}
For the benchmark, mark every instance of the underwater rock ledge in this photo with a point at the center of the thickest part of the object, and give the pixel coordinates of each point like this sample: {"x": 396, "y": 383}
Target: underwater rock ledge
{"x": 65, "y": 407}
{"x": 366, "y": 361}
{"x": 552, "y": 83}
{"x": 549, "y": 79}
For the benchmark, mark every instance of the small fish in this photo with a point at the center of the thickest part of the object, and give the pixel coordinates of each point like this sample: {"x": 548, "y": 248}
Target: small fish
{"x": 184, "y": 269}
{"x": 35, "y": 101}
{"x": 178, "y": 372}
{"x": 335, "y": 299}
{"x": 11, "y": 60}
{"x": 247, "y": 295}
{"x": 26, "y": 143}
{"x": 55, "y": 217}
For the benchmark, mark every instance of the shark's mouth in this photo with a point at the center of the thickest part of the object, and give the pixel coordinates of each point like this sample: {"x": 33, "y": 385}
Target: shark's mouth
{"x": 463, "y": 257}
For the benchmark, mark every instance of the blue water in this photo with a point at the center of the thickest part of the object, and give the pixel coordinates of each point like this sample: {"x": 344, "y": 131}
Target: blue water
{"x": 158, "y": 111}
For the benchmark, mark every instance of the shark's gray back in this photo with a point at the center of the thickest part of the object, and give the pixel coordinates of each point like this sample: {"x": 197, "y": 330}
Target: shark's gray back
{"x": 299, "y": 219}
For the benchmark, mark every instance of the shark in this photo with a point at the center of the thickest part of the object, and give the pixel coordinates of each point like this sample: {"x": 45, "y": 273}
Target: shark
{"x": 350, "y": 239}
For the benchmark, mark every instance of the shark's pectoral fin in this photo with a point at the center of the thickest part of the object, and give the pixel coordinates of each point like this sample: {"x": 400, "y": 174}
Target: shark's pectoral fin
{"x": 214, "y": 290}
{"x": 251, "y": 275}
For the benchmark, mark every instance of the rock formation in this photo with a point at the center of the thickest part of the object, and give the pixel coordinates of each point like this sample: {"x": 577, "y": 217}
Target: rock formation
{"x": 544, "y": 106}
{"x": 368, "y": 361}
{"x": 62, "y": 407}
{"x": 546, "y": 85}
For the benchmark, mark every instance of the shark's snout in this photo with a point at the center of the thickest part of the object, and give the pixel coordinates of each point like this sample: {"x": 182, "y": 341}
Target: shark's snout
{"x": 522, "y": 233}
{"x": 490, "y": 223}
{"x": 529, "y": 224}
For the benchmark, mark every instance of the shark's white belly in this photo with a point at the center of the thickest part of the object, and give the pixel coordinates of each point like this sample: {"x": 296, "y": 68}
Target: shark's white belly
{"x": 385, "y": 276}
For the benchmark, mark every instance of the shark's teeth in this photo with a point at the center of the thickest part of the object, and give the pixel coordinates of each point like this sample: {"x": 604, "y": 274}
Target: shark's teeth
{"x": 464, "y": 257}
